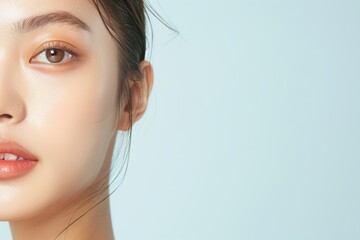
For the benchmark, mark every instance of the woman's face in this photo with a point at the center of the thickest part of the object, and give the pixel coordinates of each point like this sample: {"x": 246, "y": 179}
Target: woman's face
{"x": 62, "y": 102}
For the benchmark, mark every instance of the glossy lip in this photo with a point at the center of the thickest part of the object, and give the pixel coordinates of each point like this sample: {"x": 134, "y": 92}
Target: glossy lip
{"x": 14, "y": 168}
{"x": 16, "y": 149}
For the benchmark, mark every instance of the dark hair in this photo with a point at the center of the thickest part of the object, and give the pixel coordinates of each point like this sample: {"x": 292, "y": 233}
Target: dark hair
{"x": 125, "y": 21}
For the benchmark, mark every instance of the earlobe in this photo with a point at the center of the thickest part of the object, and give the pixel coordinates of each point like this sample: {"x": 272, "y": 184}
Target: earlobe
{"x": 140, "y": 91}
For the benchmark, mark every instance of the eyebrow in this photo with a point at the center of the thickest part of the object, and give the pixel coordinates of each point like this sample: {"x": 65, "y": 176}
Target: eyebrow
{"x": 60, "y": 17}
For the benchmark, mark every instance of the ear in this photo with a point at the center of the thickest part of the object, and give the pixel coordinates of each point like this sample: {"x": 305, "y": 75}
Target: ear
{"x": 140, "y": 92}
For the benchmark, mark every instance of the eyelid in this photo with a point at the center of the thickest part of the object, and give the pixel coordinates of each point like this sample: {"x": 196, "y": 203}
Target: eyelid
{"x": 56, "y": 45}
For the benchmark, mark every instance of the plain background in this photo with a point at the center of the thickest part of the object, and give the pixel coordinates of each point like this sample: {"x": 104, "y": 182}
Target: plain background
{"x": 253, "y": 126}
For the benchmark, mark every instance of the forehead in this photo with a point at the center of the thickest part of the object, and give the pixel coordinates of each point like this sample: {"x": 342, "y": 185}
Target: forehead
{"x": 13, "y": 11}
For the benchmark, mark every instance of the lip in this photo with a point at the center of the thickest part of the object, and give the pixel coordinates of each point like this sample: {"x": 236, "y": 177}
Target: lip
{"x": 12, "y": 169}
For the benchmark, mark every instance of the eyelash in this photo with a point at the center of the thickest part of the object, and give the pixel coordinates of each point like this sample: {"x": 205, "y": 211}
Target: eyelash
{"x": 58, "y": 45}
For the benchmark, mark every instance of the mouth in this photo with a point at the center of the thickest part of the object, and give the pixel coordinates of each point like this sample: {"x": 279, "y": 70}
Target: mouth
{"x": 15, "y": 161}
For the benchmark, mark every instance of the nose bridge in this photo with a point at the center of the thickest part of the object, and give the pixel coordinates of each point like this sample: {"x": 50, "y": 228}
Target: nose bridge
{"x": 12, "y": 108}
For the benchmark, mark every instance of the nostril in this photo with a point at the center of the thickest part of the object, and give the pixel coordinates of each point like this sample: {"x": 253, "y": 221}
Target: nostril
{"x": 5, "y": 115}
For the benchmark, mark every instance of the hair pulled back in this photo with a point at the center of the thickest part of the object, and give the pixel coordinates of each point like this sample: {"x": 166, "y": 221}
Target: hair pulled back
{"x": 125, "y": 21}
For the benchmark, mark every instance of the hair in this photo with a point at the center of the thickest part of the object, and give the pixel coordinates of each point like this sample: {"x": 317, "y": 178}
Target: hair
{"x": 125, "y": 21}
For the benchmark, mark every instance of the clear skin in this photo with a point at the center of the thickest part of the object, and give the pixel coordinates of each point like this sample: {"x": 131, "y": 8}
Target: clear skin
{"x": 63, "y": 113}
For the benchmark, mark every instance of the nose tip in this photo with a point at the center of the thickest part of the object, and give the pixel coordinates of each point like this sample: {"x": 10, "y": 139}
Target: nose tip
{"x": 11, "y": 112}
{"x": 12, "y": 118}
{"x": 12, "y": 93}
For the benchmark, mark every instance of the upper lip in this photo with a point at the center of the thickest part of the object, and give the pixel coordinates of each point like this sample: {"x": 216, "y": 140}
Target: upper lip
{"x": 14, "y": 148}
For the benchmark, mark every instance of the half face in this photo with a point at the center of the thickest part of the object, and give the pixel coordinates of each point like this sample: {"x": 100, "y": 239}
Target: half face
{"x": 58, "y": 85}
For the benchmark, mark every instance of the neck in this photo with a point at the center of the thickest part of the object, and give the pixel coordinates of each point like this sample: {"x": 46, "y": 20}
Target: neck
{"x": 93, "y": 223}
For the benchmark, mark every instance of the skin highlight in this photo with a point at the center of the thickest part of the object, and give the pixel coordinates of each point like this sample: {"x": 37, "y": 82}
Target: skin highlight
{"x": 66, "y": 114}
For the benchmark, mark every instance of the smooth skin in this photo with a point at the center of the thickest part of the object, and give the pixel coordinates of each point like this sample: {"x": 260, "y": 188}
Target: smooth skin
{"x": 64, "y": 114}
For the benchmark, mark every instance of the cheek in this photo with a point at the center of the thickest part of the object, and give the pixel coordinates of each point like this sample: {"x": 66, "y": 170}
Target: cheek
{"x": 77, "y": 123}
{"x": 77, "y": 130}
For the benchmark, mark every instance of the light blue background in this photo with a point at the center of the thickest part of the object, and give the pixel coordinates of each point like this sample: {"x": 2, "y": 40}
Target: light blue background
{"x": 253, "y": 126}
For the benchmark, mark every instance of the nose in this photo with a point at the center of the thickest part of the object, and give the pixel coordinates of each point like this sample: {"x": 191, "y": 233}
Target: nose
{"x": 12, "y": 107}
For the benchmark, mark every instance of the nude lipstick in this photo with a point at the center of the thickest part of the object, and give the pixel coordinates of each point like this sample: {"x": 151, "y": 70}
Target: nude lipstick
{"x": 15, "y": 161}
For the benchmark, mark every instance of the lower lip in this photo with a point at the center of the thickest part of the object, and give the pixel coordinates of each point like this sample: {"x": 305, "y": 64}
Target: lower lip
{"x": 13, "y": 169}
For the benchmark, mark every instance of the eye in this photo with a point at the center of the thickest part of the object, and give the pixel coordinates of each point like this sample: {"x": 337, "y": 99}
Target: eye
{"x": 54, "y": 53}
